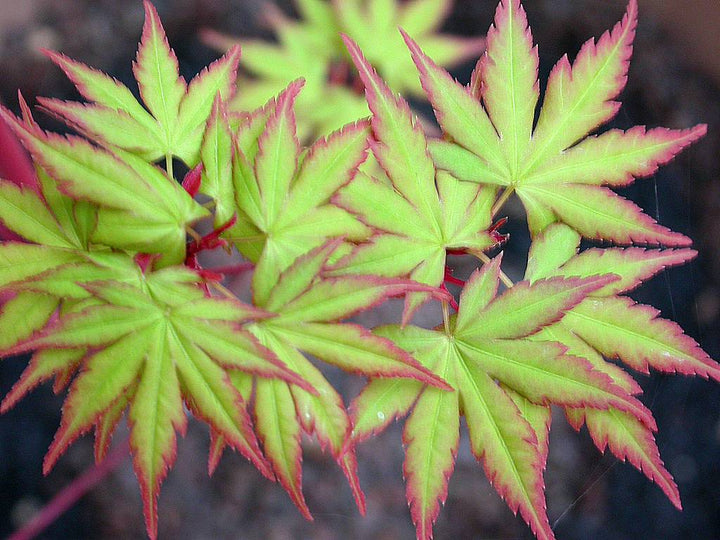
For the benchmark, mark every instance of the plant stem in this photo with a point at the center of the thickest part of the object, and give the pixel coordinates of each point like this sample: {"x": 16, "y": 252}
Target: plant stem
{"x": 223, "y": 290}
{"x": 71, "y": 493}
{"x": 169, "y": 165}
{"x": 503, "y": 276}
{"x": 446, "y": 317}
{"x": 502, "y": 200}
{"x": 192, "y": 232}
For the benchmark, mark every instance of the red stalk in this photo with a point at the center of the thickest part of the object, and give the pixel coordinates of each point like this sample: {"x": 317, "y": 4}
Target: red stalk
{"x": 71, "y": 493}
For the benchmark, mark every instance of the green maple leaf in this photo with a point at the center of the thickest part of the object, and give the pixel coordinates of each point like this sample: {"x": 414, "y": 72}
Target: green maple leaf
{"x": 114, "y": 198}
{"x": 423, "y": 212}
{"x": 282, "y": 195}
{"x": 152, "y": 346}
{"x": 612, "y": 326}
{"x": 556, "y": 169}
{"x": 56, "y": 230}
{"x": 503, "y": 382}
{"x": 373, "y": 24}
{"x": 311, "y": 48}
{"x": 176, "y": 113}
{"x": 307, "y": 310}
{"x": 324, "y": 105}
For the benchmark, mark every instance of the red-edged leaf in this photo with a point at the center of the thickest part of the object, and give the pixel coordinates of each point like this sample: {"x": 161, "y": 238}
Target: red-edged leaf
{"x": 342, "y": 297}
{"x": 105, "y": 91}
{"x": 431, "y": 436}
{"x": 402, "y": 148}
{"x": 507, "y": 444}
{"x": 597, "y": 212}
{"x": 156, "y": 413}
{"x": 579, "y": 98}
{"x": 540, "y": 372}
{"x": 489, "y": 136}
{"x": 278, "y": 151}
{"x": 525, "y": 308}
{"x": 216, "y": 154}
{"x": 356, "y": 350}
{"x": 423, "y": 213}
{"x": 157, "y": 73}
{"x": 616, "y": 157}
{"x": 618, "y": 327}
{"x": 510, "y": 87}
{"x": 107, "y": 375}
{"x": 43, "y": 365}
{"x": 631, "y": 265}
{"x": 279, "y": 431}
{"x": 108, "y": 421}
{"x": 630, "y": 440}
{"x": 461, "y": 116}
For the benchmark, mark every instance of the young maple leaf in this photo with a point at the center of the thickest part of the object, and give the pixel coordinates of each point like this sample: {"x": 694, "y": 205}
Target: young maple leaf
{"x": 55, "y": 230}
{"x": 174, "y": 121}
{"x": 152, "y": 346}
{"x": 325, "y": 105}
{"x": 503, "y": 382}
{"x": 423, "y": 212}
{"x": 609, "y": 325}
{"x": 307, "y": 309}
{"x": 282, "y": 197}
{"x": 373, "y": 24}
{"x": 556, "y": 169}
{"x": 311, "y": 48}
{"x": 133, "y": 205}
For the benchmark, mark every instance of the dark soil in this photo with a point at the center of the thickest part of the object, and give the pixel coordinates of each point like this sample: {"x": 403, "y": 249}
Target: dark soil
{"x": 589, "y": 495}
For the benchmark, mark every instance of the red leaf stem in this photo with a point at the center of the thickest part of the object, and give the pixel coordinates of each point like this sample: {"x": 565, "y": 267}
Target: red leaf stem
{"x": 210, "y": 241}
{"x": 495, "y": 235}
{"x": 191, "y": 182}
{"x": 449, "y": 278}
{"x": 453, "y": 303}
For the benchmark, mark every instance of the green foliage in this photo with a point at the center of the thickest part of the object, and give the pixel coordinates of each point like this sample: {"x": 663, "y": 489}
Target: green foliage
{"x": 311, "y": 48}
{"x": 105, "y": 284}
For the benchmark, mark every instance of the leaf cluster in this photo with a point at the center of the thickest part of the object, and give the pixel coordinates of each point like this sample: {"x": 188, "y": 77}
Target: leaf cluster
{"x": 310, "y": 48}
{"x": 106, "y": 282}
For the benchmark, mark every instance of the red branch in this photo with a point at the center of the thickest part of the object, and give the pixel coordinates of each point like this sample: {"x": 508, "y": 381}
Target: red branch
{"x": 71, "y": 493}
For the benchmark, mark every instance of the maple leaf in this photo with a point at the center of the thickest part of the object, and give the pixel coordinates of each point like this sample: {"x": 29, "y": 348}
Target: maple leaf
{"x": 612, "y": 326}
{"x": 373, "y": 26}
{"x": 282, "y": 197}
{"x": 311, "y": 48}
{"x": 152, "y": 346}
{"x": 423, "y": 212}
{"x": 119, "y": 200}
{"x": 52, "y": 234}
{"x": 174, "y": 121}
{"x": 307, "y": 309}
{"x": 502, "y": 381}
{"x": 555, "y": 168}
{"x": 325, "y": 104}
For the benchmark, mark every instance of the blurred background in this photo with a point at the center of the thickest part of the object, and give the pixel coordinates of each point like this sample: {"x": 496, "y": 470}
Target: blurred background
{"x": 674, "y": 81}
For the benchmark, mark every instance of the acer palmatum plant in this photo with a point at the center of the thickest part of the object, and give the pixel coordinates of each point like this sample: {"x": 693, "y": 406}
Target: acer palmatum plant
{"x": 104, "y": 281}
